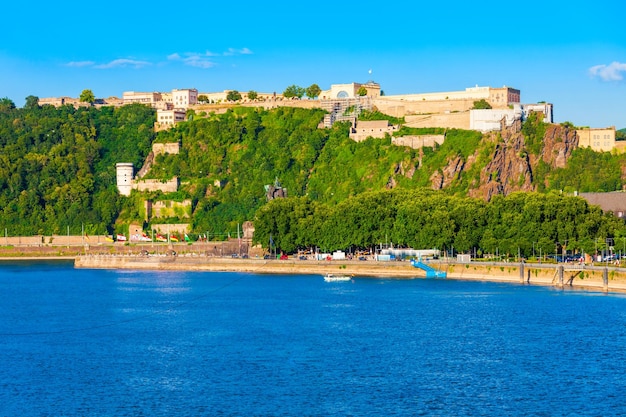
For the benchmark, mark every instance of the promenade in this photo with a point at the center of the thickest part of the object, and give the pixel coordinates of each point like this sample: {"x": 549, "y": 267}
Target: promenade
{"x": 599, "y": 278}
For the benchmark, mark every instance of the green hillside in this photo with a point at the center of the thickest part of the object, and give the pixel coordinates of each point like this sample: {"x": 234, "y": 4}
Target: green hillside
{"x": 57, "y": 171}
{"x": 57, "y": 165}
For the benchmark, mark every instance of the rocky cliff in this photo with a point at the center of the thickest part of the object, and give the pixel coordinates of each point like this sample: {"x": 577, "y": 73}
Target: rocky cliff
{"x": 512, "y": 165}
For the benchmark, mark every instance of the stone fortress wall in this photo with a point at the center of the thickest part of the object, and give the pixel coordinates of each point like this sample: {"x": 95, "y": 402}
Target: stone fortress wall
{"x": 418, "y": 141}
{"x": 168, "y": 186}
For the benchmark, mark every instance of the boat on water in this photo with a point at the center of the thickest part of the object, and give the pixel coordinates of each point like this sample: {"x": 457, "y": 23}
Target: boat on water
{"x": 332, "y": 277}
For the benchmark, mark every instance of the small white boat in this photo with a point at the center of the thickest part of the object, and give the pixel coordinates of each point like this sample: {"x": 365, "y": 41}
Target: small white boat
{"x": 332, "y": 277}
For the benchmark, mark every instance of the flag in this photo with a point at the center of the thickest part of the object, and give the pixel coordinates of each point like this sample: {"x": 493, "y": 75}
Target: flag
{"x": 174, "y": 238}
{"x": 271, "y": 242}
{"x": 145, "y": 238}
{"x": 160, "y": 238}
{"x": 121, "y": 238}
{"x": 109, "y": 239}
{"x": 187, "y": 238}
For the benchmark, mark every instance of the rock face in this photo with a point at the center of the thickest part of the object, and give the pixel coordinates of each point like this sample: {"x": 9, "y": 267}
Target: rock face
{"x": 558, "y": 144}
{"x": 442, "y": 179}
{"x": 511, "y": 166}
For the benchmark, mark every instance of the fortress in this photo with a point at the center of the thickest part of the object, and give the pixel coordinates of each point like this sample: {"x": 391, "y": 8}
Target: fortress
{"x": 344, "y": 102}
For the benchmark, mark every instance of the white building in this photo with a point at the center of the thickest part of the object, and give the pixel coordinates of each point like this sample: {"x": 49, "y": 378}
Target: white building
{"x": 487, "y": 120}
{"x": 125, "y": 172}
{"x": 170, "y": 117}
{"x": 350, "y": 90}
{"x": 150, "y": 99}
{"x": 183, "y": 99}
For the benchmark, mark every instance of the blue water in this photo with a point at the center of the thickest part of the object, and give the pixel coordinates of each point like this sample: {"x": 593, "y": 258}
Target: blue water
{"x": 128, "y": 343}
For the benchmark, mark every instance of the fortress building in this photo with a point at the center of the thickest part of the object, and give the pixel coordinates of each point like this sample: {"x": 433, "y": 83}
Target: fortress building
{"x": 350, "y": 90}
{"x": 598, "y": 139}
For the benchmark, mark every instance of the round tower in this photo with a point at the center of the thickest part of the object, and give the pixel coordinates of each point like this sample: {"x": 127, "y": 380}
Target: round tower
{"x": 125, "y": 171}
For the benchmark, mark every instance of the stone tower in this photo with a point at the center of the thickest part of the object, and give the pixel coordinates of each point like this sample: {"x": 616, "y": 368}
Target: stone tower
{"x": 125, "y": 171}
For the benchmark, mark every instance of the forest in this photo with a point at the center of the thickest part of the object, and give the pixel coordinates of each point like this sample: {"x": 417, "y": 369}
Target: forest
{"x": 57, "y": 175}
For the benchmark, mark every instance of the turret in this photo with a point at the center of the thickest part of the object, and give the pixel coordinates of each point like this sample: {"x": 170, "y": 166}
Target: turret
{"x": 125, "y": 171}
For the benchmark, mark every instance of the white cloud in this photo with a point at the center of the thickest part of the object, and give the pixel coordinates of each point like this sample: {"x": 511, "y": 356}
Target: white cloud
{"x": 611, "y": 72}
{"x": 123, "y": 63}
{"x": 80, "y": 64}
{"x": 203, "y": 59}
{"x": 198, "y": 61}
{"x": 233, "y": 51}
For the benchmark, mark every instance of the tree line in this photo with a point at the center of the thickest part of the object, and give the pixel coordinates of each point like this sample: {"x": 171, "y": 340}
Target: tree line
{"x": 520, "y": 223}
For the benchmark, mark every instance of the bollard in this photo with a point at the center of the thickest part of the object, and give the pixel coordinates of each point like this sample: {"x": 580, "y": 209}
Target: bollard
{"x": 521, "y": 272}
{"x": 605, "y": 278}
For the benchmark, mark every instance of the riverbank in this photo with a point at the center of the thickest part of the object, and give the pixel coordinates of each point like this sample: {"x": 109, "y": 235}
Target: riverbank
{"x": 592, "y": 278}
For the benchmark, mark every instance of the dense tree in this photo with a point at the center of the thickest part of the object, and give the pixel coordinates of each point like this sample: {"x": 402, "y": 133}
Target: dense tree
{"x": 32, "y": 102}
{"x": 362, "y": 91}
{"x": 313, "y": 91}
{"x": 57, "y": 166}
{"x": 233, "y": 95}
{"x": 519, "y": 223}
{"x": 294, "y": 91}
{"x": 252, "y": 95}
{"x": 87, "y": 96}
{"x": 6, "y": 104}
{"x": 202, "y": 98}
{"x": 481, "y": 104}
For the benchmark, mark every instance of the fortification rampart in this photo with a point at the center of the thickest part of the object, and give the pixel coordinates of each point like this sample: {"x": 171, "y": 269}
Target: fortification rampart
{"x": 399, "y": 108}
{"x": 166, "y": 148}
{"x": 168, "y": 208}
{"x": 450, "y": 121}
{"x": 418, "y": 141}
{"x": 169, "y": 186}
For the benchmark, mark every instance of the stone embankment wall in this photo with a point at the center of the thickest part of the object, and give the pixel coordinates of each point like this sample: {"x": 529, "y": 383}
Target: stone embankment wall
{"x": 502, "y": 272}
{"x": 54, "y": 240}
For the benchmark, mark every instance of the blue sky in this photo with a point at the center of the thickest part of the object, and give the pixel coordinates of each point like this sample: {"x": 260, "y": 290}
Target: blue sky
{"x": 572, "y": 54}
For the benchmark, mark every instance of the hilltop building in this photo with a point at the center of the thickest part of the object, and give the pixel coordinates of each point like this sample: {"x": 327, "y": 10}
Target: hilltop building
{"x": 598, "y": 139}
{"x": 345, "y": 102}
{"x": 350, "y": 90}
{"x": 149, "y": 99}
{"x": 486, "y": 120}
{"x": 371, "y": 128}
{"x": 221, "y": 97}
{"x": 168, "y": 118}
